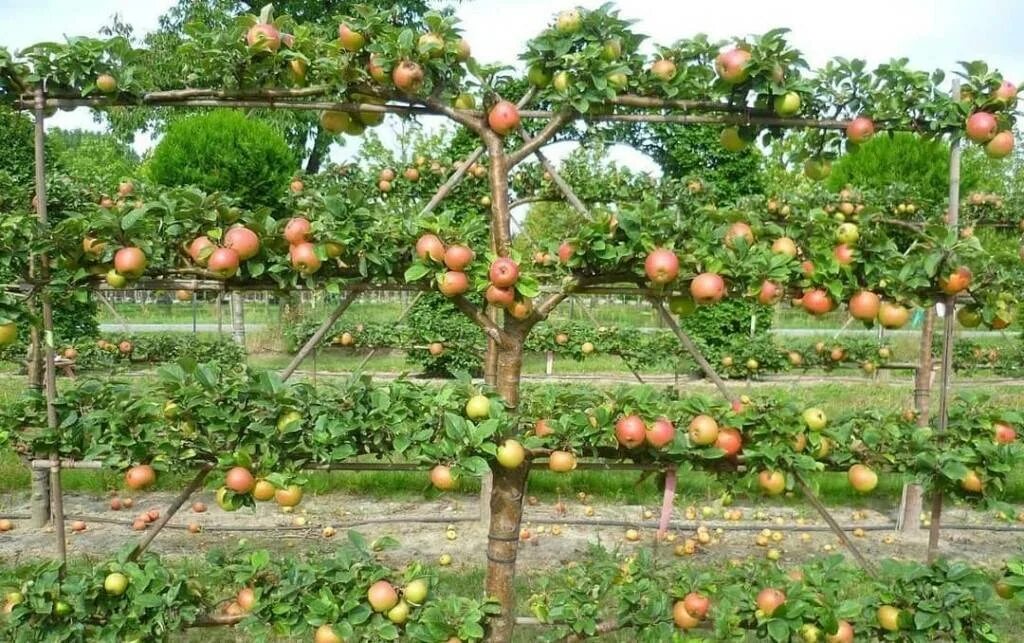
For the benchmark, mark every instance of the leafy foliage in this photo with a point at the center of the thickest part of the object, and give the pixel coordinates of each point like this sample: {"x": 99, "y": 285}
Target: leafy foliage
{"x": 224, "y": 151}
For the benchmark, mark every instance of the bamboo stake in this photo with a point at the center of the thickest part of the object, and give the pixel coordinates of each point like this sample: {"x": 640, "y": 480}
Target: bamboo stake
{"x": 401, "y": 318}
{"x": 313, "y": 341}
{"x": 695, "y": 352}
{"x": 186, "y": 493}
{"x": 948, "y": 323}
{"x": 113, "y": 311}
{"x": 49, "y": 371}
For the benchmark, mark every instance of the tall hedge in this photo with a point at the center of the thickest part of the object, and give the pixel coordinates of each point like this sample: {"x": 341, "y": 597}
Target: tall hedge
{"x": 225, "y": 151}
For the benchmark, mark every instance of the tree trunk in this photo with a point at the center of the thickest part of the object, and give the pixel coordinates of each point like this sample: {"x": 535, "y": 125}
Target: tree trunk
{"x": 506, "y": 502}
{"x": 321, "y": 143}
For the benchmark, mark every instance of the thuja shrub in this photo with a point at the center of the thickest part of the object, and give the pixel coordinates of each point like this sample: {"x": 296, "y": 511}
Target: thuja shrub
{"x": 225, "y": 151}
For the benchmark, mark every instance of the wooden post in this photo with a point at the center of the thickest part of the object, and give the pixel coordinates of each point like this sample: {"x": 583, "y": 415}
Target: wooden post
{"x": 49, "y": 371}
{"x": 549, "y": 363}
{"x": 486, "y": 488}
{"x": 312, "y": 342}
{"x": 908, "y": 519}
{"x": 237, "y": 318}
{"x": 948, "y": 323}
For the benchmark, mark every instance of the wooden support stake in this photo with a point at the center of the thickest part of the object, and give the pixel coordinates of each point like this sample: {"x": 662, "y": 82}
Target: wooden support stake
{"x": 237, "y": 318}
{"x": 697, "y": 355}
{"x": 908, "y": 519}
{"x": 948, "y": 323}
{"x": 313, "y": 341}
{"x": 823, "y": 511}
{"x": 694, "y": 352}
{"x": 49, "y": 370}
{"x": 401, "y": 318}
{"x": 186, "y": 493}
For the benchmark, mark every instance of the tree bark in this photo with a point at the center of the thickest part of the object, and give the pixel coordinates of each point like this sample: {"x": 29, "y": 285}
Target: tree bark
{"x": 321, "y": 143}
{"x": 506, "y": 504}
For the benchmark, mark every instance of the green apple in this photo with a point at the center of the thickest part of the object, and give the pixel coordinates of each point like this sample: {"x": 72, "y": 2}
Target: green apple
{"x": 478, "y": 407}
{"x": 612, "y": 49}
{"x": 115, "y": 584}
{"x": 538, "y": 77}
{"x": 815, "y": 419}
{"x": 288, "y": 420}
{"x": 116, "y": 279}
{"x": 787, "y": 104}
{"x": 170, "y": 410}
{"x": 561, "y": 81}
{"x": 399, "y": 613}
{"x": 416, "y": 591}
{"x": 568, "y": 21}
{"x": 511, "y": 454}
{"x": 847, "y": 233}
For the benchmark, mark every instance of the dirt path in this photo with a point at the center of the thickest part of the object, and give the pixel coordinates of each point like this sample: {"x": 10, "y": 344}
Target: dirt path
{"x": 801, "y": 534}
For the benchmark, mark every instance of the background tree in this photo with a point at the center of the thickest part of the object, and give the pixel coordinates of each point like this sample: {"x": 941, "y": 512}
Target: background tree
{"x": 94, "y": 161}
{"x": 226, "y": 152}
{"x": 918, "y": 166}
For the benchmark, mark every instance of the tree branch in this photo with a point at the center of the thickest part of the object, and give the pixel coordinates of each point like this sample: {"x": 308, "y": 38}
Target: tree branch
{"x": 562, "y": 185}
{"x": 557, "y": 122}
{"x": 471, "y": 120}
{"x": 479, "y": 318}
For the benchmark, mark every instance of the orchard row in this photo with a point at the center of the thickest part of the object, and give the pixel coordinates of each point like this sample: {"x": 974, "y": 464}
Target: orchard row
{"x": 260, "y": 433}
{"x": 350, "y": 596}
{"x": 692, "y": 251}
{"x": 586, "y": 60}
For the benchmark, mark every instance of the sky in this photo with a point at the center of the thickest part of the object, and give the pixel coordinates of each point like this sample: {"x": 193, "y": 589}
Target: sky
{"x": 931, "y": 33}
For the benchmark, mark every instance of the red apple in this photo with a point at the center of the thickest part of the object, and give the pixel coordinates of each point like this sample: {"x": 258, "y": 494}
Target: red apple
{"x": 697, "y": 604}
{"x": 731, "y": 66}
{"x": 843, "y": 254}
{"x": 956, "y": 282}
{"x": 503, "y": 117}
{"x": 457, "y": 257}
{"x": 864, "y": 305}
{"x": 770, "y": 293}
{"x": 130, "y": 262}
{"x": 662, "y": 266}
{"x": 304, "y": 259}
{"x": 817, "y": 302}
{"x": 862, "y": 478}
{"x": 663, "y": 69}
{"x": 1005, "y": 434}
{"x": 707, "y": 288}
{"x": 407, "y": 77}
{"x": 860, "y": 130}
{"x": 521, "y": 309}
{"x": 500, "y": 297}
{"x": 441, "y": 477}
{"x": 729, "y": 440}
{"x": 243, "y": 241}
{"x": 703, "y": 430}
{"x": 660, "y": 433}
{"x": 630, "y": 431}
{"x": 981, "y": 127}
{"x": 566, "y": 251}
{"x": 452, "y": 283}
{"x": 504, "y": 272}
{"x": 264, "y": 37}
{"x": 1000, "y": 146}
{"x": 429, "y": 246}
{"x": 542, "y": 429}
{"x": 200, "y": 249}
{"x": 772, "y": 482}
{"x": 350, "y": 39}
{"x": 223, "y": 263}
{"x": 297, "y": 230}
{"x": 769, "y": 599}
{"x": 892, "y": 315}
{"x": 739, "y": 230}
{"x": 1007, "y": 93}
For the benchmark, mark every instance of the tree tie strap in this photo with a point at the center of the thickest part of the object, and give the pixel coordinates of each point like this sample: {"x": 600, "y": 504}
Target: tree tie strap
{"x": 501, "y": 561}
{"x": 504, "y": 539}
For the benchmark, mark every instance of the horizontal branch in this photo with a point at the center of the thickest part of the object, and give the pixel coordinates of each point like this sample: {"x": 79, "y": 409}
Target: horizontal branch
{"x": 160, "y": 99}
